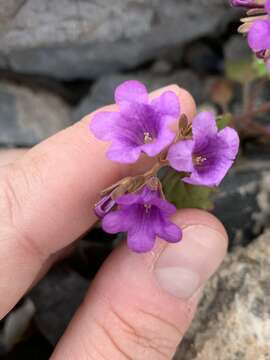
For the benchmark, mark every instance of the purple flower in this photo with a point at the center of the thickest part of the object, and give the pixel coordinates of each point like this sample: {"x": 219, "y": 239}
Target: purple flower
{"x": 209, "y": 155}
{"x": 257, "y": 27}
{"x": 267, "y": 6}
{"x": 140, "y": 125}
{"x": 246, "y": 3}
{"x": 143, "y": 216}
{"x": 259, "y": 33}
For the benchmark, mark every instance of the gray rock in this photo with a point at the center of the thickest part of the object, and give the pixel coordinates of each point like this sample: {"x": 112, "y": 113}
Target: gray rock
{"x": 56, "y": 299}
{"x": 242, "y": 202}
{"x": 202, "y": 58}
{"x": 27, "y": 117}
{"x": 102, "y": 91}
{"x": 237, "y": 49}
{"x": 70, "y": 39}
{"x": 233, "y": 322}
{"x": 8, "y": 9}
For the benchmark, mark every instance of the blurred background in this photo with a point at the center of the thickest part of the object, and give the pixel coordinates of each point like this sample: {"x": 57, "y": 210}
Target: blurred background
{"x": 61, "y": 59}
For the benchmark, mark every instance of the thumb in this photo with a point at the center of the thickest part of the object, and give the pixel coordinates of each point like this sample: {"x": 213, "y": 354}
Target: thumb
{"x": 140, "y": 306}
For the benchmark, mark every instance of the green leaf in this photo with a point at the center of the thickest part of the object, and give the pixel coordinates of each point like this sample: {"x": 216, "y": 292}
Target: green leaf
{"x": 223, "y": 121}
{"x": 260, "y": 68}
{"x": 183, "y": 195}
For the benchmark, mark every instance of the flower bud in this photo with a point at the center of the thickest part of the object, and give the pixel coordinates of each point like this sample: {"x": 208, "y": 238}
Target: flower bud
{"x": 247, "y": 3}
{"x": 104, "y": 206}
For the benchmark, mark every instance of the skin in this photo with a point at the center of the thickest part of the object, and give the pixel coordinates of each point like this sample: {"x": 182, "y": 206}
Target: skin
{"x": 46, "y": 196}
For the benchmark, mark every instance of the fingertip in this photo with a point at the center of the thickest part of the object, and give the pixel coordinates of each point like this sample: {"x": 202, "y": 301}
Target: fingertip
{"x": 196, "y": 258}
{"x": 187, "y": 102}
{"x": 189, "y": 217}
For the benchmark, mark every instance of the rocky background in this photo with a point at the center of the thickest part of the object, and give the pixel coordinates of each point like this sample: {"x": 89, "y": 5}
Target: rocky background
{"x": 61, "y": 59}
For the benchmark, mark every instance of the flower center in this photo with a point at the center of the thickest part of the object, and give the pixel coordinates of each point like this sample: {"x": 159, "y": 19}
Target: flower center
{"x": 147, "y": 138}
{"x": 147, "y": 208}
{"x": 199, "y": 160}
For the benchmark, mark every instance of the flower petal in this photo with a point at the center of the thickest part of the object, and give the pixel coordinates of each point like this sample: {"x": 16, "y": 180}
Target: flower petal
{"x": 142, "y": 240}
{"x": 104, "y": 124}
{"x": 145, "y": 196}
{"x": 141, "y": 235}
{"x": 220, "y": 154}
{"x": 167, "y": 104}
{"x": 180, "y": 155}
{"x": 259, "y": 35}
{"x": 166, "y": 208}
{"x": 197, "y": 179}
{"x": 141, "y": 118}
{"x": 131, "y": 91}
{"x": 116, "y": 221}
{"x": 123, "y": 154}
{"x": 267, "y": 6}
{"x": 204, "y": 125}
{"x": 164, "y": 139}
{"x": 169, "y": 231}
{"x": 229, "y": 142}
{"x": 211, "y": 178}
{"x": 128, "y": 199}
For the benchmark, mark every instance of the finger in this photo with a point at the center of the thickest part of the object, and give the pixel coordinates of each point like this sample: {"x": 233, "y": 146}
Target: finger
{"x": 140, "y": 306}
{"x": 10, "y": 155}
{"x": 46, "y": 199}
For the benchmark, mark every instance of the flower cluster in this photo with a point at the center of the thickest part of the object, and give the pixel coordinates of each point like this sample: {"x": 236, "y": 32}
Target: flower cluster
{"x": 257, "y": 26}
{"x": 198, "y": 151}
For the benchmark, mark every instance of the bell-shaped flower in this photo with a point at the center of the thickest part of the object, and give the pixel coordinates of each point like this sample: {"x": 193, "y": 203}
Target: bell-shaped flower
{"x": 210, "y": 153}
{"x": 140, "y": 126}
{"x": 259, "y": 34}
{"x": 143, "y": 216}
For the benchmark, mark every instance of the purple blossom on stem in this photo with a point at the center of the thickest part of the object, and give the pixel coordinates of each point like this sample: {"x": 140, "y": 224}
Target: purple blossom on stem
{"x": 246, "y": 3}
{"x": 143, "y": 216}
{"x": 140, "y": 125}
{"x": 259, "y": 34}
{"x": 209, "y": 155}
{"x": 257, "y": 26}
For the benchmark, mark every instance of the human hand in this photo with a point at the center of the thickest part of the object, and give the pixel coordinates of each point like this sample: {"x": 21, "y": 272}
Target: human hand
{"x": 138, "y": 306}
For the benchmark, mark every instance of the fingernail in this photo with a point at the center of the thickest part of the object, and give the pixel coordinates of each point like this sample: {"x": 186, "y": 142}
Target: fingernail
{"x": 183, "y": 268}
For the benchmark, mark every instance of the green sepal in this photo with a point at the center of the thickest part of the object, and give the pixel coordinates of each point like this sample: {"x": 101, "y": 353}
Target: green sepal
{"x": 184, "y": 195}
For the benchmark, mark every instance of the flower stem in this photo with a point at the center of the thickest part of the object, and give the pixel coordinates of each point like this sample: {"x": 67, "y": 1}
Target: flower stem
{"x": 155, "y": 169}
{"x": 250, "y": 114}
